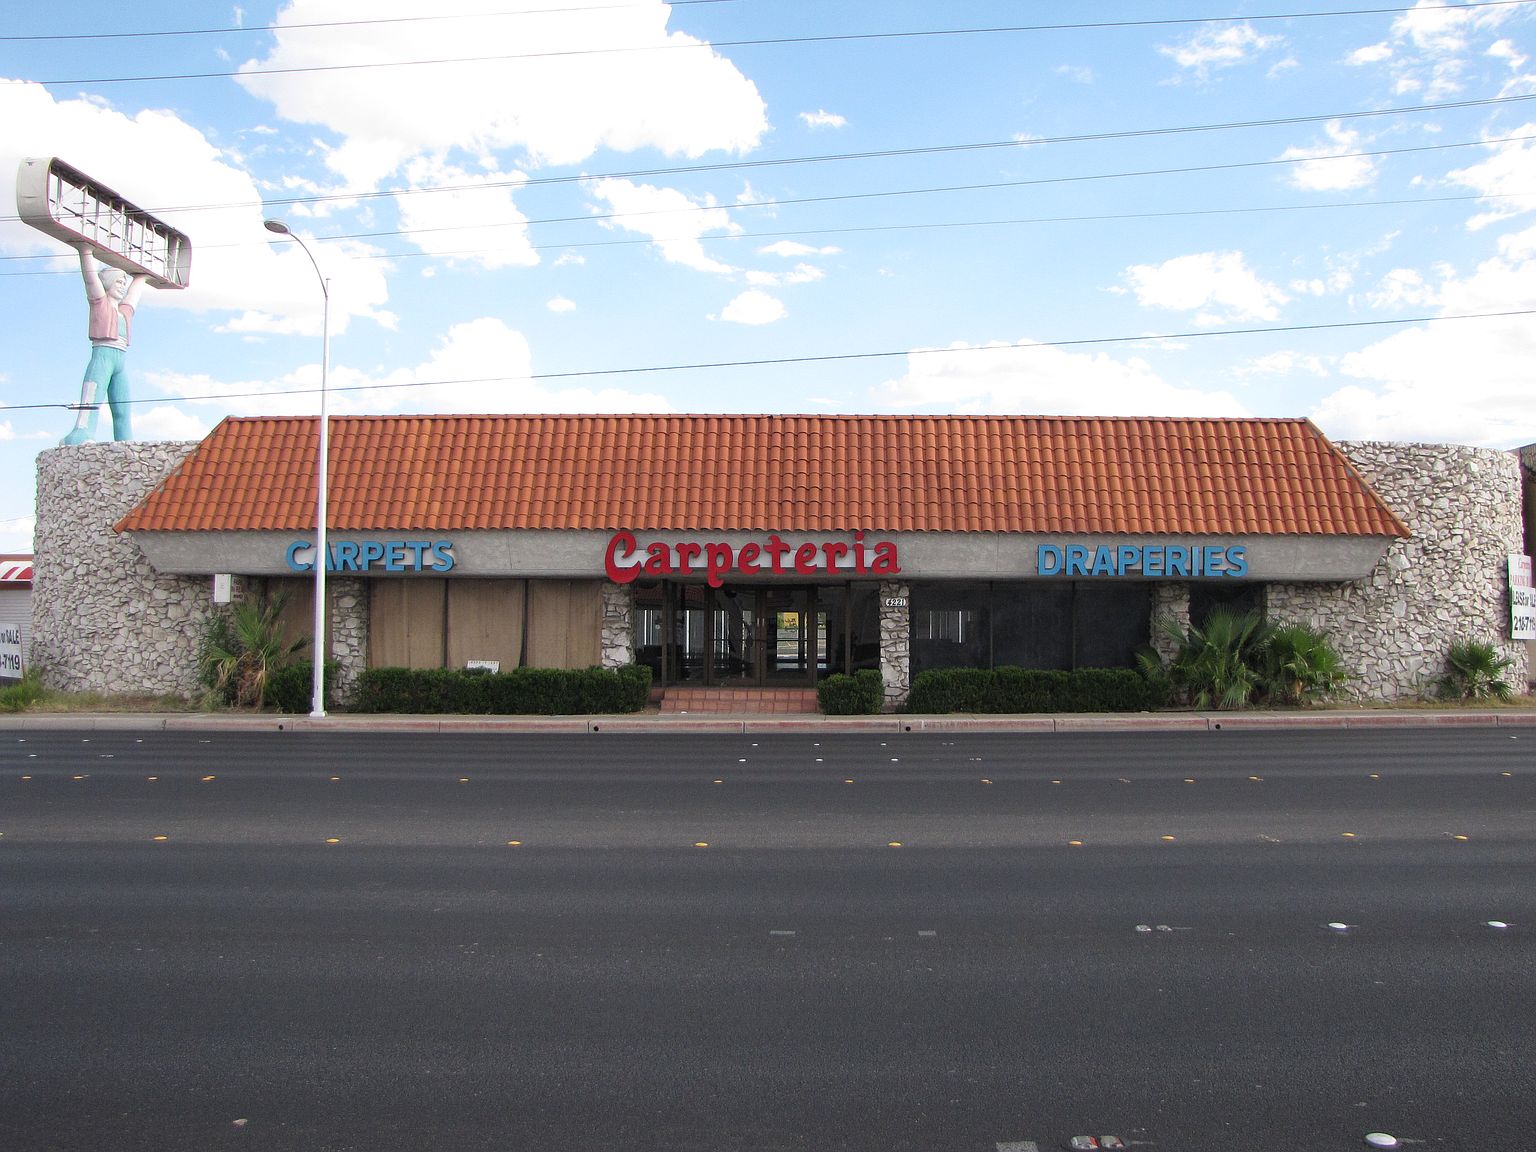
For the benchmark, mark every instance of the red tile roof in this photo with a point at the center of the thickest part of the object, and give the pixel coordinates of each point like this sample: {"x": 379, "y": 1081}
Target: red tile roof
{"x": 1044, "y": 474}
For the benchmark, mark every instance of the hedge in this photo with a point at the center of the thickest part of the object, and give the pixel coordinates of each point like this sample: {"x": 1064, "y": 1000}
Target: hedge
{"x": 292, "y": 688}
{"x": 522, "y": 691}
{"x": 861, "y": 694}
{"x": 1013, "y": 690}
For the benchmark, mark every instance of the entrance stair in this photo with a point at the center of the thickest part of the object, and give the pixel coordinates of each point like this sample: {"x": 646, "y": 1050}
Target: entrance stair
{"x": 752, "y": 700}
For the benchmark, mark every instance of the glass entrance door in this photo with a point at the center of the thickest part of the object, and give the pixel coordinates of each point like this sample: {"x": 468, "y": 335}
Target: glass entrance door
{"x": 761, "y": 636}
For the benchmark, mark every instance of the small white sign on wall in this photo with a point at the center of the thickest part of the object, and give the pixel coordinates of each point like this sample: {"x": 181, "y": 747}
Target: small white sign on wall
{"x": 10, "y": 652}
{"x": 487, "y": 665}
{"x": 1522, "y": 599}
{"x": 223, "y": 588}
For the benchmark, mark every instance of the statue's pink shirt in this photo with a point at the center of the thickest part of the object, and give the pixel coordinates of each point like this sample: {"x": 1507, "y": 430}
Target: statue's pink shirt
{"x": 104, "y": 328}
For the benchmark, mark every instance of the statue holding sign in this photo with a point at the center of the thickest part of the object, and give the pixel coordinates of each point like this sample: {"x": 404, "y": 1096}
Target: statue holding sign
{"x": 113, "y": 296}
{"x": 136, "y": 248}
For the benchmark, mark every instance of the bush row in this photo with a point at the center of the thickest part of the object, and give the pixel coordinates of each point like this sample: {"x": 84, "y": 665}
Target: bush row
{"x": 1035, "y": 690}
{"x": 861, "y": 694}
{"x": 522, "y": 691}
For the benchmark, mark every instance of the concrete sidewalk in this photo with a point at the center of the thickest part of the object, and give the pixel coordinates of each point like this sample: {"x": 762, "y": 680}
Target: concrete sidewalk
{"x": 758, "y": 723}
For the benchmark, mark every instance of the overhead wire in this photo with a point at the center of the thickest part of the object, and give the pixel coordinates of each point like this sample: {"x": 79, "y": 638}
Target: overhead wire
{"x": 826, "y": 38}
{"x": 828, "y": 358}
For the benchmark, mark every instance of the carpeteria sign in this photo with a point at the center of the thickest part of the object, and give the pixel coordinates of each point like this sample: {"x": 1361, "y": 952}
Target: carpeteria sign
{"x": 626, "y": 560}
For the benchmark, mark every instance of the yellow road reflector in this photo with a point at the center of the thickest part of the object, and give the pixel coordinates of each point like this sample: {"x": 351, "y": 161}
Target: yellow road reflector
{"x": 847, "y": 781}
{"x": 26, "y": 777}
{"x": 1459, "y": 836}
{"x": 463, "y": 779}
{"x": 1375, "y": 775}
{"x": 77, "y": 777}
{"x": 208, "y": 778}
{"x": 151, "y": 779}
{"x": 159, "y": 837}
{"x": 334, "y": 779}
{"x": 894, "y": 844}
{"x": 701, "y": 843}
{"x": 984, "y": 780}
{"x": 1075, "y": 843}
{"x": 1168, "y": 837}
{"x": 333, "y": 840}
{"x": 1347, "y": 835}
{"x": 719, "y": 781}
{"x": 1055, "y": 781}
{"x": 514, "y": 843}
{"x": 1189, "y": 779}
{"x": 1256, "y": 778}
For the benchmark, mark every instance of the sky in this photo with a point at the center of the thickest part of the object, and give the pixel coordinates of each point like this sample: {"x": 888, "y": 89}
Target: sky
{"x": 1272, "y": 208}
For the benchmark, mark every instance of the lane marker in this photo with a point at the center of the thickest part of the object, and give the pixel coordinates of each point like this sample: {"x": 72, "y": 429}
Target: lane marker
{"x": 333, "y": 840}
{"x": 514, "y": 843}
{"x": 1497, "y": 924}
{"x": 781, "y": 932}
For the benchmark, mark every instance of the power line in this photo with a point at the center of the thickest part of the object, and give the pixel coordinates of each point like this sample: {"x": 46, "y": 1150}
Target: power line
{"x": 929, "y": 191}
{"x": 694, "y": 45}
{"x": 926, "y": 150}
{"x": 268, "y": 28}
{"x": 822, "y": 359}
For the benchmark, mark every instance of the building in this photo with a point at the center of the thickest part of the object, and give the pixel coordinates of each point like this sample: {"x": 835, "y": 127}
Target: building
{"x": 15, "y": 612}
{"x": 774, "y": 550}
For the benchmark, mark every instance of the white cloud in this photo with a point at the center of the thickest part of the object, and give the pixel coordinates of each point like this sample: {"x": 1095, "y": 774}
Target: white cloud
{"x": 1402, "y": 287}
{"x": 801, "y": 274}
{"x": 753, "y": 307}
{"x": 674, "y": 222}
{"x": 1505, "y": 50}
{"x": 1077, "y": 73}
{"x": 1218, "y": 286}
{"x": 795, "y": 248}
{"x": 1437, "y": 44}
{"x": 561, "y": 304}
{"x": 154, "y": 158}
{"x": 1030, "y": 377}
{"x": 1218, "y": 47}
{"x": 478, "y": 366}
{"x": 1370, "y": 54}
{"x": 1283, "y": 364}
{"x": 1509, "y": 173}
{"x": 477, "y": 222}
{"x": 1326, "y": 167}
{"x": 167, "y": 422}
{"x": 16, "y": 535}
{"x": 1463, "y": 381}
{"x": 823, "y": 119}
{"x": 555, "y": 80}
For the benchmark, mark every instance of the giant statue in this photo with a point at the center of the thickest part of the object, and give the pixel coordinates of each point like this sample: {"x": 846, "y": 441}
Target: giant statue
{"x": 122, "y": 248}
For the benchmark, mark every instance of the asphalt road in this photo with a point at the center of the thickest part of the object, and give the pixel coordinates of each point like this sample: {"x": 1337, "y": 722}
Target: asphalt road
{"x": 388, "y": 942}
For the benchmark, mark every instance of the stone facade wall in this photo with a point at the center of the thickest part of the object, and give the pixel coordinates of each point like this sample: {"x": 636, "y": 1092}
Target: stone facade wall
{"x": 103, "y": 620}
{"x": 346, "y": 633}
{"x": 618, "y": 625}
{"x": 896, "y": 642}
{"x": 1448, "y": 581}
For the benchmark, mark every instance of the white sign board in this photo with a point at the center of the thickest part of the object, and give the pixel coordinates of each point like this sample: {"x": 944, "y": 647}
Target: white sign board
{"x": 1522, "y": 599}
{"x": 10, "y": 651}
{"x": 483, "y": 665}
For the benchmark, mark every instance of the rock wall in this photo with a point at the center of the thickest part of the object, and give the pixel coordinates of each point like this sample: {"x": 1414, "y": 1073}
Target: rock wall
{"x": 1448, "y": 581}
{"x": 103, "y": 620}
{"x": 618, "y": 625}
{"x": 896, "y": 642}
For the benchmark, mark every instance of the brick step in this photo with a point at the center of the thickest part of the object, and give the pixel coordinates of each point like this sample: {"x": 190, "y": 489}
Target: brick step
{"x": 775, "y": 700}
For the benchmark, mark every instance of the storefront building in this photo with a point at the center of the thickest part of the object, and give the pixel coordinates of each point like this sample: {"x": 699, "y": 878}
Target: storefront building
{"x": 15, "y": 615}
{"x": 766, "y": 551}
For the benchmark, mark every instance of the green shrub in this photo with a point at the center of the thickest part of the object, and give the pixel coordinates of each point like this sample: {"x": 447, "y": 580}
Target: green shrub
{"x": 240, "y": 652}
{"x": 292, "y": 689}
{"x": 1476, "y": 672}
{"x": 1298, "y": 664}
{"x": 520, "y": 692}
{"x": 862, "y": 694}
{"x": 23, "y": 693}
{"x": 1014, "y": 690}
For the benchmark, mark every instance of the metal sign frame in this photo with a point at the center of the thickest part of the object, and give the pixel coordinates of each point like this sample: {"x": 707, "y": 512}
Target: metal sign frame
{"x": 68, "y": 205}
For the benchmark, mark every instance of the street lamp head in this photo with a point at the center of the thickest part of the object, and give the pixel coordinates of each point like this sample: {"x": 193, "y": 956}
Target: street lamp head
{"x": 275, "y": 226}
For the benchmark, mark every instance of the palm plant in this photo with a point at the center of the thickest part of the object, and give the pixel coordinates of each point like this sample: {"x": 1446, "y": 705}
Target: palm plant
{"x": 242, "y": 653}
{"x": 1216, "y": 663}
{"x": 1298, "y": 664}
{"x": 1476, "y": 672}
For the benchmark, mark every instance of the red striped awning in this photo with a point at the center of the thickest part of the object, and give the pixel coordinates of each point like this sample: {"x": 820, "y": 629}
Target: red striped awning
{"x": 16, "y": 571}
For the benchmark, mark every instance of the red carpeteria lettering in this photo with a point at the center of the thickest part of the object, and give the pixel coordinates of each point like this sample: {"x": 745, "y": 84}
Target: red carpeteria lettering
{"x": 719, "y": 560}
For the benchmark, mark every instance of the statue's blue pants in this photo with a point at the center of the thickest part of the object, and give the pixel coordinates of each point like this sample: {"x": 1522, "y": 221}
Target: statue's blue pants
{"x": 106, "y": 378}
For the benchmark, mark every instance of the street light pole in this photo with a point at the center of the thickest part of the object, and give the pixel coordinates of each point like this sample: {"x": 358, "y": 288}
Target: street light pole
{"x": 322, "y": 551}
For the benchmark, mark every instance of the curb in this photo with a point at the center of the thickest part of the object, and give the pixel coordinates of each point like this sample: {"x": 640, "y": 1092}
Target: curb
{"x": 737, "y": 723}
